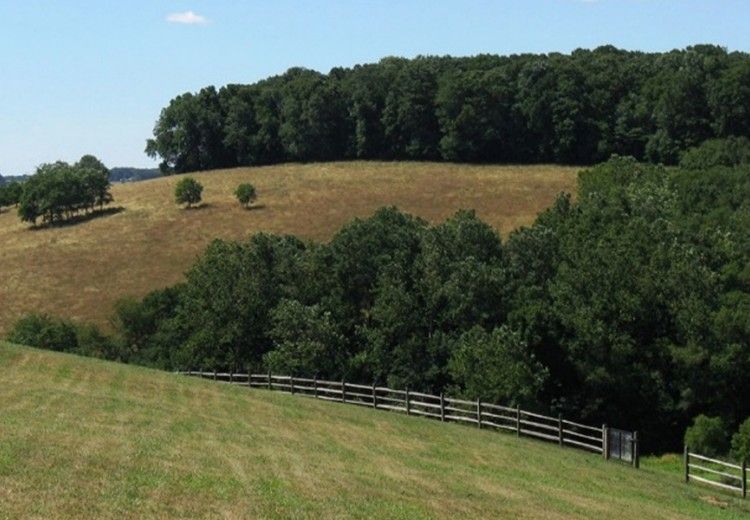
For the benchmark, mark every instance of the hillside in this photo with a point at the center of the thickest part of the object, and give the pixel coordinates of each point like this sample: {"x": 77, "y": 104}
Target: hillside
{"x": 90, "y": 439}
{"x": 79, "y": 271}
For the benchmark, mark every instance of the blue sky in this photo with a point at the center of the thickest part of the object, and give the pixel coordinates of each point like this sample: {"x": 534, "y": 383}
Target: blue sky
{"x": 85, "y": 76}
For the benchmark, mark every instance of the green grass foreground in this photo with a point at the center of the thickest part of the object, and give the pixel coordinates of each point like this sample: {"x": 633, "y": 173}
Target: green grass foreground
{"x": 82, "y": 438}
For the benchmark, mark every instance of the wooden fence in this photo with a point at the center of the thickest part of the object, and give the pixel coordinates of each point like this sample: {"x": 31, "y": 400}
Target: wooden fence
{"x": 716, "y": 473}
{"x": 438, "y": 407}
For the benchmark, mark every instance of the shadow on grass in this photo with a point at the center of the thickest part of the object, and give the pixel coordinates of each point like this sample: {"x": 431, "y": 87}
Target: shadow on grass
{"x": 254, "y": 207}
{"x": 79, "y": 219}
{"x": 202, "y": 205}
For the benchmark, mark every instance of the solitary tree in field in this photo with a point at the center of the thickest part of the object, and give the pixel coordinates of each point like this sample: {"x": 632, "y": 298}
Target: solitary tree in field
{"x": 246, "y": 194}
{"x": 188, "y": 191}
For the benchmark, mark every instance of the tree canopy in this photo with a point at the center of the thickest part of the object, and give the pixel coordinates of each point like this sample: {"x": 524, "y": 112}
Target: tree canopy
{"x": 577, "y": 108}
{"x": 60, "y": 191}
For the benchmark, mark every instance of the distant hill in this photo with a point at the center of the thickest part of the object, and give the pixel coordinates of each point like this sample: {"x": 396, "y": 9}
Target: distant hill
{"x": 117, "y": 174}
{"x": 83, "y": 438}
{"x": 5, "y": 179}
{"x": 126, "y": 174}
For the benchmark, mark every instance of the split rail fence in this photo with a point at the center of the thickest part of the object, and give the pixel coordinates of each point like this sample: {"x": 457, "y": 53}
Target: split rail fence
{"x": 597, "y": 439}
{"x": 716, "y": 473}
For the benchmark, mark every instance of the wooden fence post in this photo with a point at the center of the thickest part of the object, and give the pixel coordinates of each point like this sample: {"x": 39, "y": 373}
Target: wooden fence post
{"x": 291, "y": 383}
{"x": 408, "y": 410}
{"x": 315, "y": 386}
{"x": 343, "y": 391}
{"x": 374, "y": 397}
{"x": 686, "y": 457}
{"x": 231, "y": 377}
{"x": 744, "y": 479}
{"x": 442, "y": 407}
{"x": 479, "y": 413}
{"x": 560, "y": 429}
{"x": 249, "y": 379}
{"x": 605, "y": 442}
{"x": 214, "y": 375}
{"x": 518, "y": 421}
{"x": 635, "y": 451}
{"x": 270, "y": 386}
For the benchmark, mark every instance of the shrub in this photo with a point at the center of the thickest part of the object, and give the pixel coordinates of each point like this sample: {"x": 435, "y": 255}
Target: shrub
{"x": 246, "y": 194}
{"x": 707, "y": 436}
{"x": 731, "y": 151}
{"x": 42, "y": 331}
{"x": 188, "y": 191}
{"x": 741, "y": 442}
{"x": 92, "y": 342}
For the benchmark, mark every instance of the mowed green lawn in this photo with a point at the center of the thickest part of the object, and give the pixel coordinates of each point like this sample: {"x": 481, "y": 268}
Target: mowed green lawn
{"x": 82, "y": 438}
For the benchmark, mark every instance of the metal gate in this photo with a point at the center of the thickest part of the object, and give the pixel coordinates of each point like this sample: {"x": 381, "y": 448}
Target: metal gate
{"x": 622, "y": 445}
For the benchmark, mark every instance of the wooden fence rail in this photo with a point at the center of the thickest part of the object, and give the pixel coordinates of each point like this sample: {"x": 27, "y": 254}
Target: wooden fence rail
{"x": 438, "y": 407}
{"x": 716, "y": 473}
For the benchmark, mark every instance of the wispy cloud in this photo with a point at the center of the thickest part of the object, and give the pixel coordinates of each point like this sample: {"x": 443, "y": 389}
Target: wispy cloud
{"x": 188, "y": 17}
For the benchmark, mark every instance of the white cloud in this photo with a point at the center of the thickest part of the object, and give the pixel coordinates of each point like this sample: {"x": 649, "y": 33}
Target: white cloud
{"x": 188, "y": 17}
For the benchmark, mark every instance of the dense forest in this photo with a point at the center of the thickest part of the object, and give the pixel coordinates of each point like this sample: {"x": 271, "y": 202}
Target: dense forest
{"x": 629, "y": 305}
{"x": 578, "y": 109}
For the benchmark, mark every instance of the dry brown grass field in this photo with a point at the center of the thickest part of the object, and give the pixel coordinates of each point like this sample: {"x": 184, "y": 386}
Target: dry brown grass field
{"x": 79, "y": 271}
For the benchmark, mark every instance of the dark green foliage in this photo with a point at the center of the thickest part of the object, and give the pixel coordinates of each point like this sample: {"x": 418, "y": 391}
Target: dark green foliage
{"x": 224, "y": 312}
{"x": 10, "y": 194}
{"x": 741, "y": 442}
{"x": 730, "y": 151}
{"x": 61, "y": 191}
{"x": 707, "y": 436}
{"x": 40, "y": 330}
{"x": 188, "y": 191}
{"x": 578, "y": 108}
{"x": 305, "y": 341}
{"x": 188, "y": 135}
{"x": 497, "y": 367}
{"x": 92, "y": 342}
{"x": 145, "y": 330}
{"x": 246, "y": 194}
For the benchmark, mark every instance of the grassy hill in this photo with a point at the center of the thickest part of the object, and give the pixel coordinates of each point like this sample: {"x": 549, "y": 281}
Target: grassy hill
{"x": 89, "y": 439}
{"x": 79, "y": 271}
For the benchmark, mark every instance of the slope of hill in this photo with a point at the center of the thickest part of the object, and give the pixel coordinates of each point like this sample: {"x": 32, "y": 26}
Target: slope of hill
{"x": 89, "y": 439}
{"x": 79, "y": 271}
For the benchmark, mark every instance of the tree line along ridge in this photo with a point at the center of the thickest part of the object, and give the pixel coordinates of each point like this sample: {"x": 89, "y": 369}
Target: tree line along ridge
{"x": 577, "y": 108}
